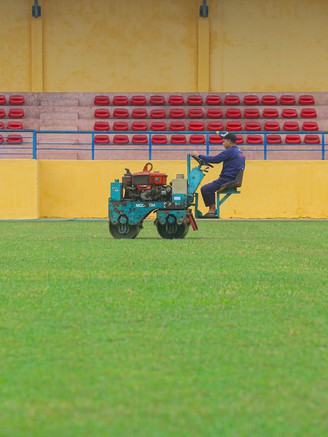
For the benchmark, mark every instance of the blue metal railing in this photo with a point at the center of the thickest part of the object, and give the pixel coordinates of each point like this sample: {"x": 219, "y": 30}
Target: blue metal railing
{"x": 34, "y": 142}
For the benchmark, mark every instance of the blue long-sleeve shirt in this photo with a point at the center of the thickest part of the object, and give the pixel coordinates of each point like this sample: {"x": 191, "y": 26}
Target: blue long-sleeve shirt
{"x": 233, "y": 161}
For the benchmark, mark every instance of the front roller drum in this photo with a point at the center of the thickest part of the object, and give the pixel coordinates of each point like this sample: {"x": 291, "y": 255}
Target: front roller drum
{"x": 124, "y": 230}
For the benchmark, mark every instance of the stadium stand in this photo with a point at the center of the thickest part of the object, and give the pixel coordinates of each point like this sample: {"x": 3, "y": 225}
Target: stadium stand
{"x": 280, "y": 112}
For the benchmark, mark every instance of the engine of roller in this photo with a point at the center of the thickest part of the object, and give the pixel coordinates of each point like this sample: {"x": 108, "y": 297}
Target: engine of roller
{"x": 146, "y": 185}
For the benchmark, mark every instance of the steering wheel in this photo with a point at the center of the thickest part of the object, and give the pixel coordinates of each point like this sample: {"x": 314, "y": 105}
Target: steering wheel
{"x": 201, "y": 162}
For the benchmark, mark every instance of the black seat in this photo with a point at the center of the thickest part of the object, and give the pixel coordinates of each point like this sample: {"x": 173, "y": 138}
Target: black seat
{"x": 235, "y": 183}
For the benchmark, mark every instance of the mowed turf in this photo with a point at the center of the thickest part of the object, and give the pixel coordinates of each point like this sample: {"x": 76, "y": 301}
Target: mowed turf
{"x": 223, "y": 333}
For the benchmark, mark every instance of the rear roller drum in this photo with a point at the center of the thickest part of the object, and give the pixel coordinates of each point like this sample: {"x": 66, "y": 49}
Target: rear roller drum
{"x": 170, "y": 232}
{"x": 124, "y": 230}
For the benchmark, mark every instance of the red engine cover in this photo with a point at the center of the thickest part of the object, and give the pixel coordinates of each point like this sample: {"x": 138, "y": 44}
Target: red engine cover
{"x": 144, "y": 179}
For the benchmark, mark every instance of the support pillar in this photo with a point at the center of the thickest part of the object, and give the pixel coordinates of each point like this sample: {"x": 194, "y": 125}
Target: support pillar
{"x": 36, "y": 62}
{"x": 203, "y": 60}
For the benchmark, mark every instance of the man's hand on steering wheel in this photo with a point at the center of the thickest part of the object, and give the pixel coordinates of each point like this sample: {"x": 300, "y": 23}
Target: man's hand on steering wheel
{"x": 200, "y": 161}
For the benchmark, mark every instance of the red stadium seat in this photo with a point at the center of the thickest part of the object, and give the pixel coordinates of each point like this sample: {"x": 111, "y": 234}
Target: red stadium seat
{"x": 159, "y": 139}
{"x": 274, "y": 139}
{"x": 240, "y": 139}
{"x": 254, "y": 139}
{"x": 101, "y": 126}
{"x": 2, "y": 113}
{"x": 251, "y": 100}
{"x": 196, "y": 113}
{"x": 178, "y": 139}
{"x": 233, "y": 126}
{"x": 252, "y": 113}
{"x": 101, "y": 100}
{"x": 214, "y": 113}
{"x": 196, "y": 125}
{"x": 139, "y": 139}
{"x": 269, "y": 100}
{"x": 14, "y": 139}
{"x": 176, "y": 100}
{"x": 293, "y": 139}
{"x": 139, "y": 126}
{"x": 102, "y": 139}
{"x": 213, "y": 99}
{"x": 312, "y": 139}
{"x": 310, "y": 125}
{"x": 306, "y": 99}
{"x": 158, "y": 125}
{"x": 195, "y": 100}
{"x": 270, "y": 113}
{"x": 177, "y": 125}
{"x": 215, "y": 139}
{"x": 287, "y": 99}
{"x": 1, "y": 139}
{"x": 138, "y": 100}
{"x": 233, "y": 113}
{"x": 121, "y": 139}
{"x": 252, "y": 125}
{"x": 177, "y": 113}
{"x": 16, "y": 100}
{"x": 289, "y": 113}
{"x": 157, "y": 113}
{"x": 139, "y": 113}
{"x": 101, "y": 113}
{"x": 121, "y": 113}
{"x": 120, "y": 126}
{"x": 120, "y": 100}
{"x": 16, "y": 113}
{"x": 157, "y": 99}
{"x": 197, "y": 139}
{"x": 231, "y": 100}
{"x": 308, "y": 113}
{"x": 271, "y": 125}
{"x": 291, "y": 125}
{"x": 15, "y": 125}
{"x": 3, "y": 100}
{"x": 215, "y": 126}
{"x": 2, "y": 125}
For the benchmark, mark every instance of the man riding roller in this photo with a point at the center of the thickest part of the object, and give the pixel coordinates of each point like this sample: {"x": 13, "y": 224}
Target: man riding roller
{"x": 233, "y": 161}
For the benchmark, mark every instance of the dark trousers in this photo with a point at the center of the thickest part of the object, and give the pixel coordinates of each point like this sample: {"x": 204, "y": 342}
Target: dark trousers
{"x": 209, "y": 190}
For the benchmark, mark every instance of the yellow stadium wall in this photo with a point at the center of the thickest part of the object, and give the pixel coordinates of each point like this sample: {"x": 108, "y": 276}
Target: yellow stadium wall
{"x": 19, "y": 189}
{"x": 162, "y": 46}
{"x": 68, "y": 189}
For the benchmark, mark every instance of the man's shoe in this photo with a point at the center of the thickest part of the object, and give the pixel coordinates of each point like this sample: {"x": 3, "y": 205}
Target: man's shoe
{"x": 210, "y": 215}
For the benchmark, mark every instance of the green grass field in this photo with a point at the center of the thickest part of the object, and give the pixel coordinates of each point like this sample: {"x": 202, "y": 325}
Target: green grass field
{"x": 223, "y": 333}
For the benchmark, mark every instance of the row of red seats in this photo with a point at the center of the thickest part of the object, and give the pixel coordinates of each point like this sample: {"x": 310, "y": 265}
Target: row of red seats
{"x": 200, "y": 113}
{"x": 104, "y": 126}
{"x": 14, "y": 125}
{"x": 12, "y": 113}
{"x": 211, "y": 99}
{"x": 13, "y": 100}
{"x": 141, "y": 139}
